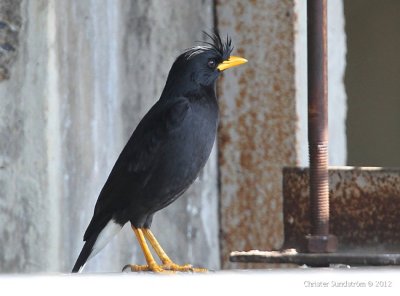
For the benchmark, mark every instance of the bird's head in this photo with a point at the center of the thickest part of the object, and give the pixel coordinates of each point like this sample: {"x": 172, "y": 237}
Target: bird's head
{"x": 201, "y": 65}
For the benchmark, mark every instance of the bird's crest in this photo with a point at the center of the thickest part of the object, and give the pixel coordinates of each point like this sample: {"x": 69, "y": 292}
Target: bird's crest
{"x": 216, "y": 44}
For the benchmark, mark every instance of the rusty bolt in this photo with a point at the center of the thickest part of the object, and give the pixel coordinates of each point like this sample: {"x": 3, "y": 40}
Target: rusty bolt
{"x": 320, "y": 240}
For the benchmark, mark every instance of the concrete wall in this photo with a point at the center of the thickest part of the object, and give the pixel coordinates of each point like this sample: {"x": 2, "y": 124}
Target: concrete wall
{"x": 84, "y": 74}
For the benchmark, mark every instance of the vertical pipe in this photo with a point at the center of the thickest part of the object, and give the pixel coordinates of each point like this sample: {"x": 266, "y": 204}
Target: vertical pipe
{"x": 320, "y": 240}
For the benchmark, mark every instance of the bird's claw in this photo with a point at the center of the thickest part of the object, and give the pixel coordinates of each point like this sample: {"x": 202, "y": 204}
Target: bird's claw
{"x": 182, "y": 268}
{"x": 169, "y": 267}
{"x": 137, "y": 268}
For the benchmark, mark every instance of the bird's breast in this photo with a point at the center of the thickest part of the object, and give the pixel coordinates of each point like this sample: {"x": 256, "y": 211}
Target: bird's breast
{"x": 197, "y": 135}
{"x": 187, "y": 149}
{"x": 179, "y": 159}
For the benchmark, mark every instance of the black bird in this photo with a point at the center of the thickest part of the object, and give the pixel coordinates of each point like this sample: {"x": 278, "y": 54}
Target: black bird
{"x": 164, "y": 155}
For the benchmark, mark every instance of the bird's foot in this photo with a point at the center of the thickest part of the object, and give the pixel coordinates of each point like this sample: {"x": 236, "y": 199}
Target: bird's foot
{"x": 183, "y": 268}
{"x": 154, "y": 268}
{"x": 168, "y": 267}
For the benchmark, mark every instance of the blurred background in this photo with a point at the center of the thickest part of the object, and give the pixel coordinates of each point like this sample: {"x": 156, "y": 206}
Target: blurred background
{"x": 77, "y": 76}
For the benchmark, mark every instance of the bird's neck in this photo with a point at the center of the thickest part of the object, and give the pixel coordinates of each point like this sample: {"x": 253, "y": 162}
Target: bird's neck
{"x": 180, "y": 88}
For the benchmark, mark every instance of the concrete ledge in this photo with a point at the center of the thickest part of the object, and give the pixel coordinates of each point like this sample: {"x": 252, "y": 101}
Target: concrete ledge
{"x": 243, "y": 282}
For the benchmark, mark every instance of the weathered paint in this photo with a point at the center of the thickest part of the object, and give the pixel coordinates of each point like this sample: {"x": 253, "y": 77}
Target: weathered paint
{"x": 258, "y": 123}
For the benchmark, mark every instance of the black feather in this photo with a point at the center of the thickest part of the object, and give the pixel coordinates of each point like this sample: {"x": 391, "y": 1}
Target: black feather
{"x": 223, "y": 49}
{"x": 84, "y": 254}
{"x": 168, "y": 148}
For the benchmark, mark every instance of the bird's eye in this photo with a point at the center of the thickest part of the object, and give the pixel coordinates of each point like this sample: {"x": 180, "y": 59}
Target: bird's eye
{"x": 212, "y": 63}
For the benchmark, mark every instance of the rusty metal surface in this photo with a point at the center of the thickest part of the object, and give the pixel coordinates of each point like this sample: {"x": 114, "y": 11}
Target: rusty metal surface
{"x": 364, "y": 208}
{"x": 326, "y": 243}
{"x": 257, "y": 133}
{"x": 319, "y": 240}
{"x": 322, "y": 259}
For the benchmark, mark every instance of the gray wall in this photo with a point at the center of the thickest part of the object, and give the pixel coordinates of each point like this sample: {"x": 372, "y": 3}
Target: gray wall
{"x": 372, "y": 82}
{"x": 82, "y": 75}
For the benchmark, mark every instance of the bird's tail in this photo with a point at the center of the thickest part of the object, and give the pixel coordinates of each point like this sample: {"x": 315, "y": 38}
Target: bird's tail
{"x": 84, "y": 254}
{"x": 95, "y": 243}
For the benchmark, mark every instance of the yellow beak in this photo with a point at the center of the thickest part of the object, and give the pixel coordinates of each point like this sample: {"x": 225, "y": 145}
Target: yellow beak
{"x": 231, "y": 62}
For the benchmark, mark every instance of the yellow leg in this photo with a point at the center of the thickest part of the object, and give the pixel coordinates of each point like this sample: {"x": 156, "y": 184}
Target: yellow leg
{"x": 168, "y": 264}
{"x": 151, "y": 263}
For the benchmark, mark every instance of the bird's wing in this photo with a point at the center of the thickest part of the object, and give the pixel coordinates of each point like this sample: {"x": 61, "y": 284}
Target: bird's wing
{"x": 134, "y": 165}
{"x": 153, "y": 131}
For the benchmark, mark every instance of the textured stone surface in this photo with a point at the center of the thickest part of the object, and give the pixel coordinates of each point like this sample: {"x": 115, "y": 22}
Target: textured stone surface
{"x": 85, "y": 74}
{"x": 364, "y": 207}
{"x": 10, "y": 25}
{"x": 25, "y": 208}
